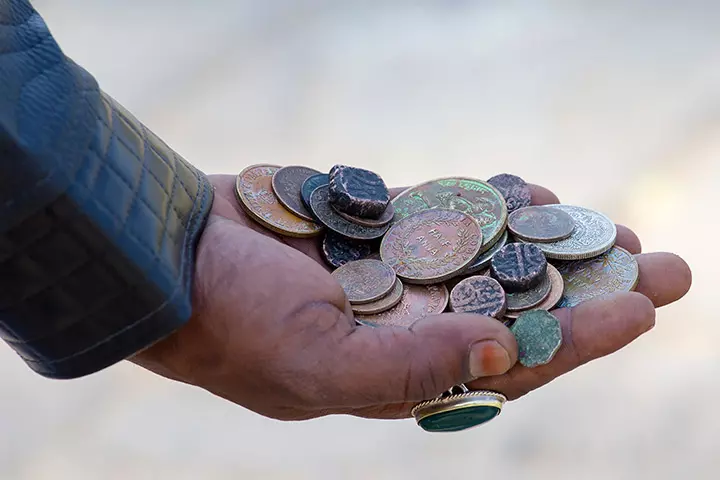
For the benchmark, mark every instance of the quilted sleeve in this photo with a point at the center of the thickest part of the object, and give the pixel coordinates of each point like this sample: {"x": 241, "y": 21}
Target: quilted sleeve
{"x": 99, "y": 219}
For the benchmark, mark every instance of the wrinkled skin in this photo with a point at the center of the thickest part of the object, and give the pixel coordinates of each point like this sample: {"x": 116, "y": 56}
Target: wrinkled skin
{"x": 272, "y": 331}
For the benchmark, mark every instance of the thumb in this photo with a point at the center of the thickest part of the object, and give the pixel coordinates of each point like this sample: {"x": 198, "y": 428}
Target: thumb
{"x": 391, "y": 365}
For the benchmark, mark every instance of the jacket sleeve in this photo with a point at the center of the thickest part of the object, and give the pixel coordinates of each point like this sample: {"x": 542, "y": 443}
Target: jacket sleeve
{"x": 99, "y": 219}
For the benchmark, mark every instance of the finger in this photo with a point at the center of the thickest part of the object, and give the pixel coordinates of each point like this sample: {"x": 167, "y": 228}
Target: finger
{"x": 391, "y": 365}
{"x": 664, "y": 277}
{"x": 627, "y": 239}
{"x": 542, "y": 196}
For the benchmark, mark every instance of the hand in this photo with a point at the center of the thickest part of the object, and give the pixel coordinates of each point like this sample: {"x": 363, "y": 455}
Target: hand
{"x": 272, "y": 331}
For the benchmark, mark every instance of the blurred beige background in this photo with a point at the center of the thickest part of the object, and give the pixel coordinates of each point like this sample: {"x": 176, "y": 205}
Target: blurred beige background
{"x": 615, "y": 105}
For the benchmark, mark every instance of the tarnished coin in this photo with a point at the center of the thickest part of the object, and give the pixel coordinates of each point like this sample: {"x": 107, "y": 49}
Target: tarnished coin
{"x": 483, "y": 261}
{"x": 529, "y": 298}
{"x": 474, "y": 197}
{"x": 310, "y": 184}
{"x": 615, "y": 271}
{"x": 541, "y": 224}
{"x": 339, "y": 250}
{"x": 514, "y": 189}
{"x": 453, "y": 413}
{"x": 432, "y": 245}
{"x": 287, "y": 184}
{"x": 254, "y": 192}
{"x": 418, "y": 301}
{"x": 358, "y": 192}
{"x": 384, "y": 219}
{"x": 383, "y": 304}
{"x": 594, "y": 234}
{"x": 557, "y": 287}
{"x": 539, "y": 336}
{"x": 480, "y": 295}
{"x": 329, "y": 217}
{"x": 365, "y": 281}
{"x": 518, "y": 266}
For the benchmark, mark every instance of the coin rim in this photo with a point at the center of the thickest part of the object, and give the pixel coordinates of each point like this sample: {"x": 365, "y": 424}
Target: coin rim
{"x": 292, "y": 209}
{"x": 384, "y": 229}
{"x": 486, "y": 263}
{"x": 366, "y": 300}
{"x": 544, "y": 304}
{"x": 529, "y": 307}
{"x": 444, "y": 304}
{"x": 365, "y": 222}
{"x": 374, "y": 307}
{"x": 439, "y": 405}
{"x": 538, "y": 240}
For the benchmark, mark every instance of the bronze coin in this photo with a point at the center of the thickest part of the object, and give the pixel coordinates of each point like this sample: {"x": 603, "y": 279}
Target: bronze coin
{"x": 365, "y": 281}
{"x": 417, "y": 302}
{"x": 287, "y": 184}
{"x": 557, "y": 287}
{"x": 339, "y": 250}
{"x": 541, "y": 224}
{"x": 384, "y": 219}
{"x": 518, "y": 266}
{"x": 358, "y": 192}
{"x": 479, "y": 295}
{"x": 253, "y": 188}
{"x": 514, "y": 189}
{"x": 431, "y": 246}
{"x": 385, "y": 303}
{"x": 529, "y": 298}
{"x": 319, "y": 202}
{"x": 474, "y": 197}
{"x": 483, "y": 261}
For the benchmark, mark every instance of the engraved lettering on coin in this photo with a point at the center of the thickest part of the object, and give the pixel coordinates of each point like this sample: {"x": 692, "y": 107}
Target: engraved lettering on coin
{"x": 309, "y": 185}
{"x": 474, "y": 197}
{"x": 594, "y": 234}
{"x": 431, "y": 246}
{"x": 483, "y": 261}
{"x": 255, "y": 195}
{"x": 358, "y": 192}
{"x": 541, "y": 224}
{"x": 365, "y": 281}
{"x": 480, "y": 295}
{"x": 557, "y": 287}
{"x": 417, "y": 302}
{"x": 339, "y": 250}
{"x": 615, "y": 271}
{"x": 514, "y": 189}
{"x": 529, "y": 298}
{"x": 329, "y": 217}
{"x": 518, "y": 266}
{"x": 539, "y": 337}
{"x": 383, "y": 304}
{"x": 384, "y": 219}
{"x": 287, "y": 183}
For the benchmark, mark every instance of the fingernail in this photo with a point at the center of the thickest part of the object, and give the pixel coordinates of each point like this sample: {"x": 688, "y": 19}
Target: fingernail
{"x": 488, "y": 358}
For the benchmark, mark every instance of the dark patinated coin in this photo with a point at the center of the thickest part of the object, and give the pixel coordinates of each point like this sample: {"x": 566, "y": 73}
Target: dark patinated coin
{"x": 384, "y": 219}
{"x": 541, "y": 224}
{"x": 530, "y": 298}
{"x": 339, "y": 250}
{"x": 365, "y": 281}
{"x": 326, "y": 215}
{"x": 539, "y": 336}
{"x": 518, "y": 266}
{"x": 516, "y": 192}
{"x": 479, "y": 295}
{"x": 358, "y": 192}
{"x": 483, "y": 260}
{"x": 287, "y": 183}
{"x": 310, "y": 184}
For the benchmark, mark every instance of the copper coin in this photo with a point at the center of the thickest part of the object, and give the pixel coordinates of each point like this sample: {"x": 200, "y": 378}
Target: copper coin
{"x": 518, "y": 266}
{"x": 514, "y": 189}
{"x": 479, "y": 295}
{"x": 365, "y": 281}
{"x": 432, "y": 245}
{"x": 615, "y": 271}
{"x": 339, "y": 250}
{"x": 417, "y": 302}
{"x": 384, "y": 219}
{"x": 385, "y": 303}
{"x": 287, "y": 184}
{"x": 474, "y": 197}
{"x": 529, "y": 298}
{"x": 541, "y": 224}
{"x": 329, "y": 217}
{"x": 483, "y": 261}
{"x": 557, "y": 287}
{"x": 253, "y": 188}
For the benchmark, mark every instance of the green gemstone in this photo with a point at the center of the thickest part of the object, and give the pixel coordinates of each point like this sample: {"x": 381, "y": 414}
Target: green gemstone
{"x": 459, "y": 419}
{"x": 539, "y": 336}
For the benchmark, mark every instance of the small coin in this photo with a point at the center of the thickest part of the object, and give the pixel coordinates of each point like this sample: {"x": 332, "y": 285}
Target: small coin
{"x": 453, "y": 413}
{"x": 327, "y": 216}
{"x": 310, "y": 184}
{"x": 593, "y": 235}
{"x": 474, "y": 197}
{"x": 529, "y": 298}
{"x": 418, "y": 301}
{"x": 358, "y": 192}
{"x": 384, "y": 219}
{"x": 514, "y": 189}
{"x": 480, "y": 295}
{"x": 365, "y": 281}
{"x": 287, "y": 183}
{"x": 432, "y": 245}
{"x": 383, "y": 304}
{"x": 539, "y": 336}
{"x": 541, "y": 224}
{"x": 339, "y": 250}
{"x": 518, "y": 266}
{"x": 615, "y": 271}
{"x": 557, "y": 287}
{"x": 254, "y": 193}
{"x": 483, "y": 261}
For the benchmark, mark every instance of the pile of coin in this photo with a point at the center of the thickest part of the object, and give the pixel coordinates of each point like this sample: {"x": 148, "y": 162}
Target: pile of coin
{"x": 458, "y": 244}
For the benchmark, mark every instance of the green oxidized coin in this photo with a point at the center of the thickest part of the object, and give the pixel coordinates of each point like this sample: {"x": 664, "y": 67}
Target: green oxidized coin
{"x": 477, "y": 198}
{"x": 539, "y": 336}
{"x": 454, "y": 413}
